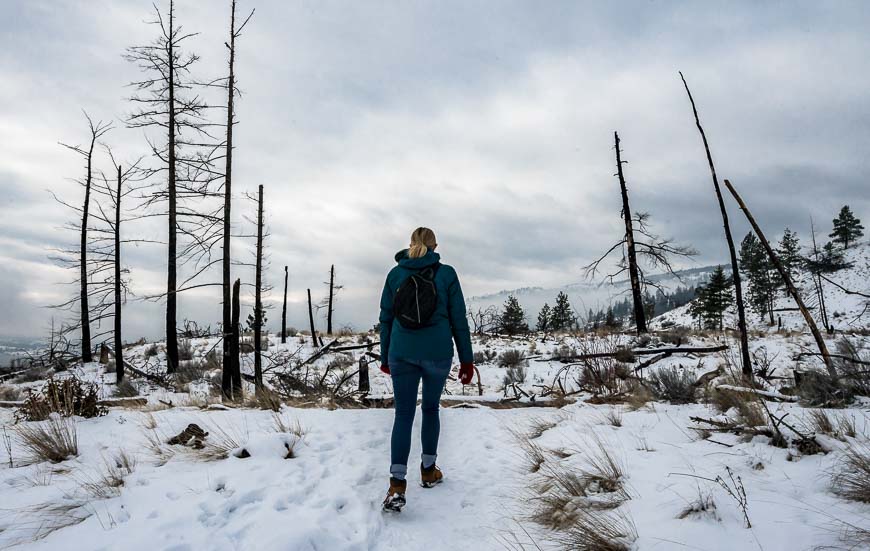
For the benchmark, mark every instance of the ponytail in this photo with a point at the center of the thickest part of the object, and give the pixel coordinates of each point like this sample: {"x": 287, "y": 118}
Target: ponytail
{"x": 422, "y": 240}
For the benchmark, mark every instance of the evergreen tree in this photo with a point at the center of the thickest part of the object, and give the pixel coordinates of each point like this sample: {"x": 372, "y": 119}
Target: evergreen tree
{"x": 562, "y": 316}
{"x": 251, "y": 320}
{"x": 789, "y": 252}
{"x": 649, "y": 305}
{"x": 847, "y": 228}
{"x": 759, "y": 272}
{"x": 713, "y": 299}
{"x": 513, "y": 318}
{"x": 610, "y": 319}
{"x": 828, "y": 261}
{"x": 544, "y": 318}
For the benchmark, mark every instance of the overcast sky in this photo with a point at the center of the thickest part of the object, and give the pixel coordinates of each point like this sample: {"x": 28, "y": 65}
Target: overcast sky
{"x": 490, "y": 122}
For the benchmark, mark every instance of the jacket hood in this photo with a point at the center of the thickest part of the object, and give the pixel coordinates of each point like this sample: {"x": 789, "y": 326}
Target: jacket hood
{"x": 427, "y": 259}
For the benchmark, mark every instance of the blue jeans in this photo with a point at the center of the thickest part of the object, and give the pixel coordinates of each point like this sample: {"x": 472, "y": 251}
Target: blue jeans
{"x": 406, "y": 375}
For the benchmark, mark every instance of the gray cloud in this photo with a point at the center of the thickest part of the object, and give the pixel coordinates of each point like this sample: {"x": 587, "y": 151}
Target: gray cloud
{"x": 490, "y": 122}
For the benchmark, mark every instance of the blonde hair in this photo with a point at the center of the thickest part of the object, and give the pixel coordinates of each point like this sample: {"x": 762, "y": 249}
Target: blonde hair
{"x": 422, "y": 239}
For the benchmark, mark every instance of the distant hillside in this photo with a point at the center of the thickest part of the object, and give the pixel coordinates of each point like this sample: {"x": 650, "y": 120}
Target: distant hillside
{"x": 843, "y": 309}
{"x": 586, "y": 295}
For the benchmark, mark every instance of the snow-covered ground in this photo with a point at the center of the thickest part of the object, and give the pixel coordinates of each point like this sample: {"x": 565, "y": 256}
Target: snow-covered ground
{"x": 328, "y": 496}
{"x": 678, "y": 488}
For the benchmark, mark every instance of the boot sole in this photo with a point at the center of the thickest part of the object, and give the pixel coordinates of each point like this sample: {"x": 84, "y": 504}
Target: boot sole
{"x": 394, "y": 506}
{"x": 431, "y": 484}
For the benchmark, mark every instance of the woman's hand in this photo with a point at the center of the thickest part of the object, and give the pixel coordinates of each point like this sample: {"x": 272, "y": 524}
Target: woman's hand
{"x": 385, "y": 368}
{"x": 466, "y": 372}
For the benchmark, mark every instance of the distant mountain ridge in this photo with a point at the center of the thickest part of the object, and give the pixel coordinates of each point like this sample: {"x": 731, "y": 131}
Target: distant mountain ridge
{"x": 585, "y": 295}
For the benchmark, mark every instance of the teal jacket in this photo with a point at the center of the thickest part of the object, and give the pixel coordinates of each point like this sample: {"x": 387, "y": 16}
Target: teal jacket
{"x": 449, "y": 324}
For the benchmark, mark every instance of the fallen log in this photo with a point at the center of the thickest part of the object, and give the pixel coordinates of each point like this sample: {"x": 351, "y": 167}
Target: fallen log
{"x": 770, "y": 395}
{"x": 136, "y": 401}
{"x": 323, "y": 350}
{"x": 646, "y": 352}
{"x": 355, "y": 347}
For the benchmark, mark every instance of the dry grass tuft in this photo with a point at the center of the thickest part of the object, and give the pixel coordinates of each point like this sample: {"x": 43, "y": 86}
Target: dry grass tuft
{"x": 598, "y": 531}
{"x": 538, "y": 426}
{"x": 223, "y": 442}
{"x": 851, "y": 478}
{"x": 674, "y": 384}
{"x": 703, "y": 506}
{"x": 612, "y": 416}
{"x": 108, "y": 482}
{"x": 533, "y": 454}
{"x": 293, "y": 429}
{"x": 54, "y": 440}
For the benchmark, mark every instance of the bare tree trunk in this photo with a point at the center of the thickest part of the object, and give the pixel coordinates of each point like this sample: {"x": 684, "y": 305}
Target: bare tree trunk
{"x": 364, "y": 385}
{"x": 119, "y": 351}
{"x": 735, "y": 268}
{"x": 823, "y": 349}
{"x": 258, "y": 289}
{"x": 284, "y": 310}
{"x": 311, "y": 320}
{"x": 817, "y": 281}
{"x": 172, "y": 252}
{"x": 228, "y": 186}
{"x": 637, "y": 297}
{"x": 87, "y": 354}
{"x": 236, "y": 375}
{"x": 331, "y": 294}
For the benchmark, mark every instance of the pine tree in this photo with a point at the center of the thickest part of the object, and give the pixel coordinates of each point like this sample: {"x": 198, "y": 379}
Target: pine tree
{"x": 544, "y": 318}
{"x": 847, "y": 228}
{"x": 762, "y": 285}
{"x": 715, "y": 298}
{"x": 562, "y": 316}
{"x": 789, "y": 252}
{"x": 610, "y": 320}
{"x": 513, "y": 318}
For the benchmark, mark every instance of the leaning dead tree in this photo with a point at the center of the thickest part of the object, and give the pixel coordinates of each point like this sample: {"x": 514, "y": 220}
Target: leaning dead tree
{"x": 789, "y": 284}
{"x": 311, "y": 320}
{"x": 634, "y": 277}
{"x": 638, "y": 245}
{"x": 735, "y": 268}
{"x": 86, "y": 269}
{"x": 166, "y": 101}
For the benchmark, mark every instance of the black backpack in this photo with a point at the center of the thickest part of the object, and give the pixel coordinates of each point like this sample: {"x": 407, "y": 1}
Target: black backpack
{"x": 416, "y": 299}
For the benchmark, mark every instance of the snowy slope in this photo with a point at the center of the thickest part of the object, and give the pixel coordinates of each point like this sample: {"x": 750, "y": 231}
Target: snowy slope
{"x": 843, "y": 309}
{"x": 586, "y": 295}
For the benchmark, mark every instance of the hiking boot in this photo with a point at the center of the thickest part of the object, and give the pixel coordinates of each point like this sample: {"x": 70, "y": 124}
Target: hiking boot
{"x": 431, "y": 476}
{"x": 395, "y": 499}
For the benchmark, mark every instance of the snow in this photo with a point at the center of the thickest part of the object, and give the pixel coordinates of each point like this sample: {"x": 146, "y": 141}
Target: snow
{"x": 328, "y": 496}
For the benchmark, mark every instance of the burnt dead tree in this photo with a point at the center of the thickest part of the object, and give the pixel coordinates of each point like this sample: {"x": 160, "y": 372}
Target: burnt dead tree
{"x": 284, "y": 309}
{"x": 329, "y": 307}
{"x": 226, "y": 261}
{"x": 634, "y": 277}
{"x": 166, "y": 101}
{"x": 735, "y": 268}
{"x": 311, "y": 320}
{"x": 96, "y": 131}
{"x": 638, "y": 245}
{"x": 789, "y": 284}
{"x": 258, "y": 299}
{"x": 119, "y": 348}
{"x": 231, "y": 380}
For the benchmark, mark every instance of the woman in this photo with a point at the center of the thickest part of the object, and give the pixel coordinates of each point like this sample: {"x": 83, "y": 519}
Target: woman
{"x": 422, "y": 314}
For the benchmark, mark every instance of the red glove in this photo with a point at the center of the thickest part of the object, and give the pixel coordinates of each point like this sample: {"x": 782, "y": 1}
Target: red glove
{"x": 385, "y": 368}
{"x": 466, "y": 372}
